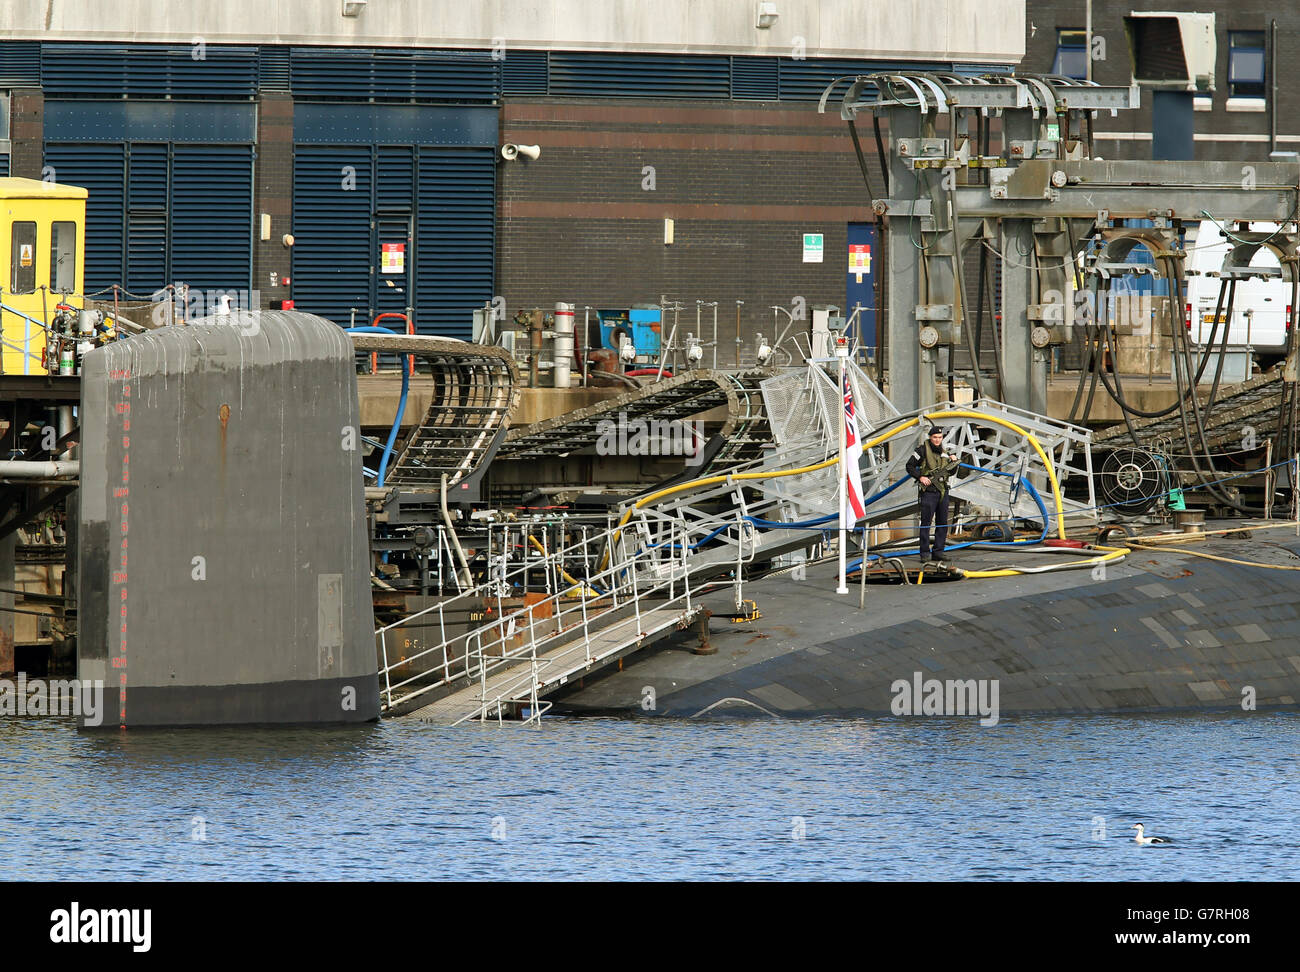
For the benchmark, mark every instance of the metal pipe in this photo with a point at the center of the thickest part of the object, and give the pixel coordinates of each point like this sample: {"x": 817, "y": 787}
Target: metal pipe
{"x": 466, "y": 579}
{"x": 738, "y": 303}
{"x": 562, "y": 346}
{"x": 534, "y": 347}
{"x": 19, "y": 469}
{"x": 586, "y": 339}
{"x": 715, "y": 335}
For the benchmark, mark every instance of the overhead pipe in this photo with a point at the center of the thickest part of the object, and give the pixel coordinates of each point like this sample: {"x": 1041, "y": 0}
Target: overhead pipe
{"x": 20, "y": 469}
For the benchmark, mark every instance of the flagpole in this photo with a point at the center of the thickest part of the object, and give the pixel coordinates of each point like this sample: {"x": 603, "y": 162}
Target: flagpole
{"x": 841, "y": 354}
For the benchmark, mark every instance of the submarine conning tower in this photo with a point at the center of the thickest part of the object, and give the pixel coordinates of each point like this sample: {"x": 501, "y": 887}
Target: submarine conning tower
{"x": 223, "y": 569}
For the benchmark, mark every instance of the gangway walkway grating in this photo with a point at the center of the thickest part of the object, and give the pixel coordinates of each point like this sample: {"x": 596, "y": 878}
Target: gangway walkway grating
{"x": 526, "y": 684}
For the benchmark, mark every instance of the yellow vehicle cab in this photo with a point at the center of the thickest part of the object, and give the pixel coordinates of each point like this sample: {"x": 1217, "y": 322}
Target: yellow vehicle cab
{"x": 42, "y": 248}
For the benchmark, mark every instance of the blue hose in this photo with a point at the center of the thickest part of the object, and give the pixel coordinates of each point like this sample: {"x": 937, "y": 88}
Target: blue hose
{"x": 401, "y": 402}
{"x": 817, "y": 521}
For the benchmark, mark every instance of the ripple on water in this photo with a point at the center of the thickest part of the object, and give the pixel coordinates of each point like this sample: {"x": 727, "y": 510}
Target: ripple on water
{"x": 1052, "y": 798}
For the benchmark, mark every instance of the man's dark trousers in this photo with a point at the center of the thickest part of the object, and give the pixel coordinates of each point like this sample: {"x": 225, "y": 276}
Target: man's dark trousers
{"x": 934, "y": 506}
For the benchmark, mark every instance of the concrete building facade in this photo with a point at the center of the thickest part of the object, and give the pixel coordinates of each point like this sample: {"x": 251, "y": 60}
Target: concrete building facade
{"x": 681, "y": 152}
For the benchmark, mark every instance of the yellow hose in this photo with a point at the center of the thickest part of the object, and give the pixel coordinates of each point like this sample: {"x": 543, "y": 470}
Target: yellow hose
{"x": 870, "y": 444}
{"x": 586, "y": 592}
{"x": 1115, "y": 552}
{"x": 1137, "y": 542}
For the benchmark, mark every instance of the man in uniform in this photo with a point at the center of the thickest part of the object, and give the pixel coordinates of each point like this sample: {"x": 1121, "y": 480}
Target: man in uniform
{"x": 930, "y": 466}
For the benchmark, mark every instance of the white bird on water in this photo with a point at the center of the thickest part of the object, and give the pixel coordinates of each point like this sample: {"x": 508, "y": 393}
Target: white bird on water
{"x": 1143, "y": 841}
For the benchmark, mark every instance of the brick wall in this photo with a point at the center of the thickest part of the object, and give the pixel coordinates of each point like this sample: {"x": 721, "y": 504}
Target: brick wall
{"x": 273, "y": 194}
{"x": 741, "y": 183}
{"x": 27, "y": 133}
{"x": 1233, "y": 135}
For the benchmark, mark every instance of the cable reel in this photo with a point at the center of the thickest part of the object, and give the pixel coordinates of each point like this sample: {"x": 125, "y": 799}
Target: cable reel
{"x": 1132, "y": 481}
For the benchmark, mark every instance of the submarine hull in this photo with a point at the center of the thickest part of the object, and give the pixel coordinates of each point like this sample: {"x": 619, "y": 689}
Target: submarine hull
{"x": 1160, "y": 631}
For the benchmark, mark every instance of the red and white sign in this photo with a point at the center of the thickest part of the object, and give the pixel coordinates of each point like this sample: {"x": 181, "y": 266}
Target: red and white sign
{"x": 859, "y": 259}
{"x": 392, "y": 258}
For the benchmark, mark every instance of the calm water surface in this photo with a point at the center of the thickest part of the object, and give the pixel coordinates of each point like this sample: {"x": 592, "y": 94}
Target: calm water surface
{"x": 658, "y": 799}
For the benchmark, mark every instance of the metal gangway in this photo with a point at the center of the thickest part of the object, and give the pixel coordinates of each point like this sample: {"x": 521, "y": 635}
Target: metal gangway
{"x": 609, "y": 592}
{"x": 695, "y": 392}
{"x": 472, "y": 390}
{"x": 524, "y": 652}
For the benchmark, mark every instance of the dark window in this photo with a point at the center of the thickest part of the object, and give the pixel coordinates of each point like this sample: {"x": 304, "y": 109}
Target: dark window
{"x": 23, "y": 259}
{"x": 63, "y": 257}
{"x": 1246, "y": 63}
{"x": 1071, "y": 54}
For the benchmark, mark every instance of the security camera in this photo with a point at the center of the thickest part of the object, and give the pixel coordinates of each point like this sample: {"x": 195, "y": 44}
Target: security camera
{"x": 510, "y": 151}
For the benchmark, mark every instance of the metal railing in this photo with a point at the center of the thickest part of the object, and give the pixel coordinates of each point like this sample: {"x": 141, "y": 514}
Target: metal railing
{"x": 570, "y": 610}
{"x": 711, "y": 527}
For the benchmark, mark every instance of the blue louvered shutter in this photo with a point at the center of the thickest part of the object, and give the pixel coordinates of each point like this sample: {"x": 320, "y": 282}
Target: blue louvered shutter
{"x": 524, "y": 73}
{"x": 450, "y": 77}
{"x": 586, "y": 74}
{"x": 146, "y": 219}
{"x": 212, "y": 216}
{"x": 753, "y": 78}
{"x": 20, "y": 64}
{"x": 148, "y": 70}
{"x": 331, "y": 228}
{"x": 805, "y": 79}
{"x": 455, "y": 238}
{"x": 99, "y": 167}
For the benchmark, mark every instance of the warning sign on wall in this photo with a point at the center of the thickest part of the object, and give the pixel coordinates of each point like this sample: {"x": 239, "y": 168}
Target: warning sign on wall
{"x": 859, "y": 259}
{"x": 813, "y": 244}
{"x": 26, "y": 253}
{"x": 392, "y": 258}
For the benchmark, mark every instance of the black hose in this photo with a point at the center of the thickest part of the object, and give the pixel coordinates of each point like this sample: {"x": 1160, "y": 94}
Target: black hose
{"x": 1105, "y": 330}
{"x": 880, "y": 151}
{"x": 959, "y": 266}
{"x": 1210, "y": 481}
{"x": 979, "y": 302}
{"x": 997, "y": 340}
{"x": 862, "y": 161}
{"x": 1117, "y": 393}
{"x": 1083, "y": 372}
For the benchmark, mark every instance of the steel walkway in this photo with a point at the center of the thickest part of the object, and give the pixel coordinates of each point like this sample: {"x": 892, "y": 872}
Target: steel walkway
{"x": 474, "y": 389}
{"x": 552, "y": 614}
{"x": 671, "y": 399}
{"x": 573, "y": 656}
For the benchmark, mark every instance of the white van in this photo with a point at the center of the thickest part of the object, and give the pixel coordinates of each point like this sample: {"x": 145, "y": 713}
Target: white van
{"x": 1260, "y": 309}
